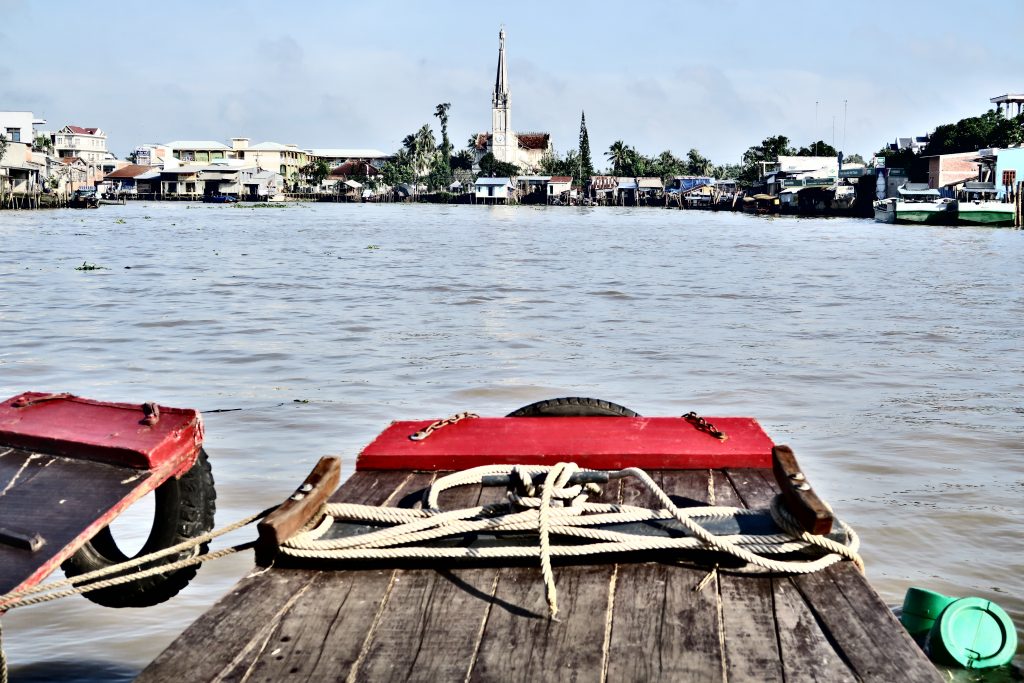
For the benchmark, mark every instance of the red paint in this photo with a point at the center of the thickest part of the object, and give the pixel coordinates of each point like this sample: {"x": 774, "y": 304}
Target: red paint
{"x": 115, "y": 433}
{"x": 664, "y": 443}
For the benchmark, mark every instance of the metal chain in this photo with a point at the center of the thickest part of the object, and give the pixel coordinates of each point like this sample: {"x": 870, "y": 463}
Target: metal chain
{"x": 434, "y": 426}
{"x": 703, "y": 425}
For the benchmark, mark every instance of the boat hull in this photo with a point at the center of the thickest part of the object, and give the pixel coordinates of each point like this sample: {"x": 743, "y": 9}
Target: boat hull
{"x": 986, "y": 213}
{"x": 932, "y": 214}
{"x": 885, "y": 212}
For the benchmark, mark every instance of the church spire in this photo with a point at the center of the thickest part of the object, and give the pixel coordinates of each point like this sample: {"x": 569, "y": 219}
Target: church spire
{"x": 500, "y": 96}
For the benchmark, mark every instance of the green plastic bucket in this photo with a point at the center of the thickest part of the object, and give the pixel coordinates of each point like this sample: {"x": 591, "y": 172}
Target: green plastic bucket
{"x": 974, "y": 633}
{"x": 921, "y": 608}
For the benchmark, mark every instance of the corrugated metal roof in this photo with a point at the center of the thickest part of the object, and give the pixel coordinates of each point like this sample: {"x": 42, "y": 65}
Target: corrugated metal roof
{"x": 560, "y": 179}
{"x": 650, "y": 183}
{"x": 493, "y": 181}
{"x": 271, "y": 147}
{"x": 130, "y": 171}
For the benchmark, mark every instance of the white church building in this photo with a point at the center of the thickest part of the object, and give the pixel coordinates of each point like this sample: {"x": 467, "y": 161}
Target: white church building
{"x": 525, "y": 150}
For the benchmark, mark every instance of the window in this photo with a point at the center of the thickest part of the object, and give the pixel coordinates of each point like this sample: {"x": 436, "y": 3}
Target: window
{"x": 14, "y": 134}
{"x": 172, "y": 187}
{"x": 216, "y": 155}
{"x": 202, "y": 156}
{"x": 490, "y": 190}
{"x": 190, "y": 188}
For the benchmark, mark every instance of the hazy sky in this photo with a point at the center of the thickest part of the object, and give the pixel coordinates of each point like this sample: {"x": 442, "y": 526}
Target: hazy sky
{"x": 718, "y": 75}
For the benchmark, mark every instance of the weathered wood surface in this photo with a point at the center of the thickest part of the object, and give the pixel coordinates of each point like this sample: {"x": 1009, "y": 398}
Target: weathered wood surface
{"x": 641, "y": 621}
{"x": 57, "y": 499}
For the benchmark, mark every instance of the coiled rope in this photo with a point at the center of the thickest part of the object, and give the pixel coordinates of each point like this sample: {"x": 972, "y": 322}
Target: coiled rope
{"x": 560, "y": 510}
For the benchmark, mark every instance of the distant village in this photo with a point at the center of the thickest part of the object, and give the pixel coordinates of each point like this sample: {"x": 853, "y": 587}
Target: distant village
{"x": 40, "y": 167}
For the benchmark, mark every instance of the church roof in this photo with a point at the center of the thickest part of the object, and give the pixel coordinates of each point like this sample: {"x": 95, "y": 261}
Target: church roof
{"x": 482, "y": 140}
{"x": 534, "y": 140}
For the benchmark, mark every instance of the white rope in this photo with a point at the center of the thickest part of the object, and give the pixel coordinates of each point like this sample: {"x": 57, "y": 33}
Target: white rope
{"x": 560, "y": 511}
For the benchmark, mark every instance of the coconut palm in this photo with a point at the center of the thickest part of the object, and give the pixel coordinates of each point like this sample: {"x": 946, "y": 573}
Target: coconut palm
{"x": 618, "y": 154}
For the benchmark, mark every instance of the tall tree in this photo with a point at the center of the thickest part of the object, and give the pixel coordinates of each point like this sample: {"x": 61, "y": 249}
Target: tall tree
{"x": 443, "y": 166}
{"x": 3, "y": 146}
{"x": 586, "y": 164}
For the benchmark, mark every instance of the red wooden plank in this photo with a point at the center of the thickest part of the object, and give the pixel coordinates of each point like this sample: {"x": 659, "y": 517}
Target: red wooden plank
{"x": 115, "y": 433}
{"x": 668, "y": 443}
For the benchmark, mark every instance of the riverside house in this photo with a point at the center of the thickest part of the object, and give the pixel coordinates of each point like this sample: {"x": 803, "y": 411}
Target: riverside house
{"x": 493, "y": 190}
{"x": 285, "y": 160}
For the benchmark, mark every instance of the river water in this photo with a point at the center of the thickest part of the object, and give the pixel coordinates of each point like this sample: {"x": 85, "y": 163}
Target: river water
{"x": 890, "y": 357}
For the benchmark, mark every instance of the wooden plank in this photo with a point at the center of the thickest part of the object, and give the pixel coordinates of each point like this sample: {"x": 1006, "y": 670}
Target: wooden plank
{"x": 519, "y": 642}
{"x": 857, "y": 635}
{"x": 661, "y": 628}
{"x": 430, "y": 628}
{"x": 246, "y": 624}
{"x": 325, "y": 635}
{"x": 748, "y": 614}
{"x": 62, "y": 500}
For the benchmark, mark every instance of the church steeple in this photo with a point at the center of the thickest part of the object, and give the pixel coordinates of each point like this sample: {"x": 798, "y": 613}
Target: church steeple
{"x": 500, "y": 96}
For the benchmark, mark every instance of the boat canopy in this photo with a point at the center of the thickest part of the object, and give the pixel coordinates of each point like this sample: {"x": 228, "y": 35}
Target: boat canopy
{"x": 918, "y": 191}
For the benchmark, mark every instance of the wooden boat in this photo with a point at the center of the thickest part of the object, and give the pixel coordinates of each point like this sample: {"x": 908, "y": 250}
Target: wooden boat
{"x": 69, "y": 466}
{"x": 84, "y": 198}
{"x": 455, "y": 613}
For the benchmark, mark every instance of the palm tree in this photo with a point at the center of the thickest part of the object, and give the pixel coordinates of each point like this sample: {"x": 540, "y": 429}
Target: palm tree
{"x": 618, "y": 154}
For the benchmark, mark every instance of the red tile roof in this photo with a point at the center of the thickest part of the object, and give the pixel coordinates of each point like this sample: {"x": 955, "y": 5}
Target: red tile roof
{"x": 481, "y": 141}
{"x": 130, "y": 171}
{"x": 82, "y": 131}
{"x": 534, "y": 140}
{"x": 71, "y": 160}
{"x": 560, "y": 179}
{"x": 354, "y": 167}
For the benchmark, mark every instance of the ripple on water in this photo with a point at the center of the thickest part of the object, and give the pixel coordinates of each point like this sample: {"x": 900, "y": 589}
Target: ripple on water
{"x": 886, "y": 356}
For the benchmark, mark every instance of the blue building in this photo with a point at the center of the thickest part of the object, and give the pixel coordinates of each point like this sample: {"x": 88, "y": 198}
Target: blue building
{"x": 1009, "y": 168}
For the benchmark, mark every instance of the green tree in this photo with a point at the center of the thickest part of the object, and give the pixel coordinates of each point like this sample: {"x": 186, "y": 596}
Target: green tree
{"x": 489, "y": 166}
{"x": 3, "y": 146}
{"x": 443, "y": 165}
{"x": 462, "y": 160}
{"x": 991, "y": 129}
{"x": 853, "y": 159}
{"x": 770, "y": 149}
{"x": 42, "y": 143}
{"x": 399, "y": 170}
{"x": 817, "y": 149}
{"x": 618, "y": 155}
{"x": 315, "y": 172}
{"x": 698, "y": 164}
{"x": 586, "y": 163}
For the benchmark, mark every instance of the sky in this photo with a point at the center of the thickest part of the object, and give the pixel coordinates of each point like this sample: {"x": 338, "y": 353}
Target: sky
{"x": 717, "y": 76}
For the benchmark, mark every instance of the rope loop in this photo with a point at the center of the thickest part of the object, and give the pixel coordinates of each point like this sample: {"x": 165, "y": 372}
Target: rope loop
{"x": 542, "y": 500}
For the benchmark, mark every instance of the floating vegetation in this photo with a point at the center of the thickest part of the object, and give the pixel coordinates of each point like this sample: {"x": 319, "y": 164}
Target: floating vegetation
{"x": 120, "y": 221}
{"x": 300, "y": 400}
{"x": 372, "y": 246}
{"x": 262, "y": 205}
{"x": 90, "y": 266}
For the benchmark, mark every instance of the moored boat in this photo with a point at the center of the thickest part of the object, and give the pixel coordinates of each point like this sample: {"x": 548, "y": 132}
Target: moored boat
{"x": 885, "y": 210}
{"x": 919, "y": 203}
{"x": 977, "y": 205}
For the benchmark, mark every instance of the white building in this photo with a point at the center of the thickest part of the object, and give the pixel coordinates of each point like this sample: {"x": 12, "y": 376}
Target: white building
{"x": 19, "y": 126}
{"x": 88, "y": 144}
{"x": 525, "y": 150}
{"x": 337, "y": 157}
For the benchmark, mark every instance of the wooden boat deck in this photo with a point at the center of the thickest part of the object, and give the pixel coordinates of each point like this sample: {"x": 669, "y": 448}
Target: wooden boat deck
{"x": 639, "y": 621}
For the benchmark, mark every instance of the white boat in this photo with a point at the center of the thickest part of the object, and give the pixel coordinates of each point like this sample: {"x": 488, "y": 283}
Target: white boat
{"x": 978, "y": 206}
{"x": 885, "y": 210}
{"x": 918, "y": 203}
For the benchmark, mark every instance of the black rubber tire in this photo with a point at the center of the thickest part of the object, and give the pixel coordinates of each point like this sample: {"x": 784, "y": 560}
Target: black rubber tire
{"x": 184, "y": 509}
{"x": 573, "y": 406}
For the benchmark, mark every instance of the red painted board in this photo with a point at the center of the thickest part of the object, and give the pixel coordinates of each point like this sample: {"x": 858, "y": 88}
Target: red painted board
{"x": 115, "y": 433}
{"x": 665, "y": 443}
